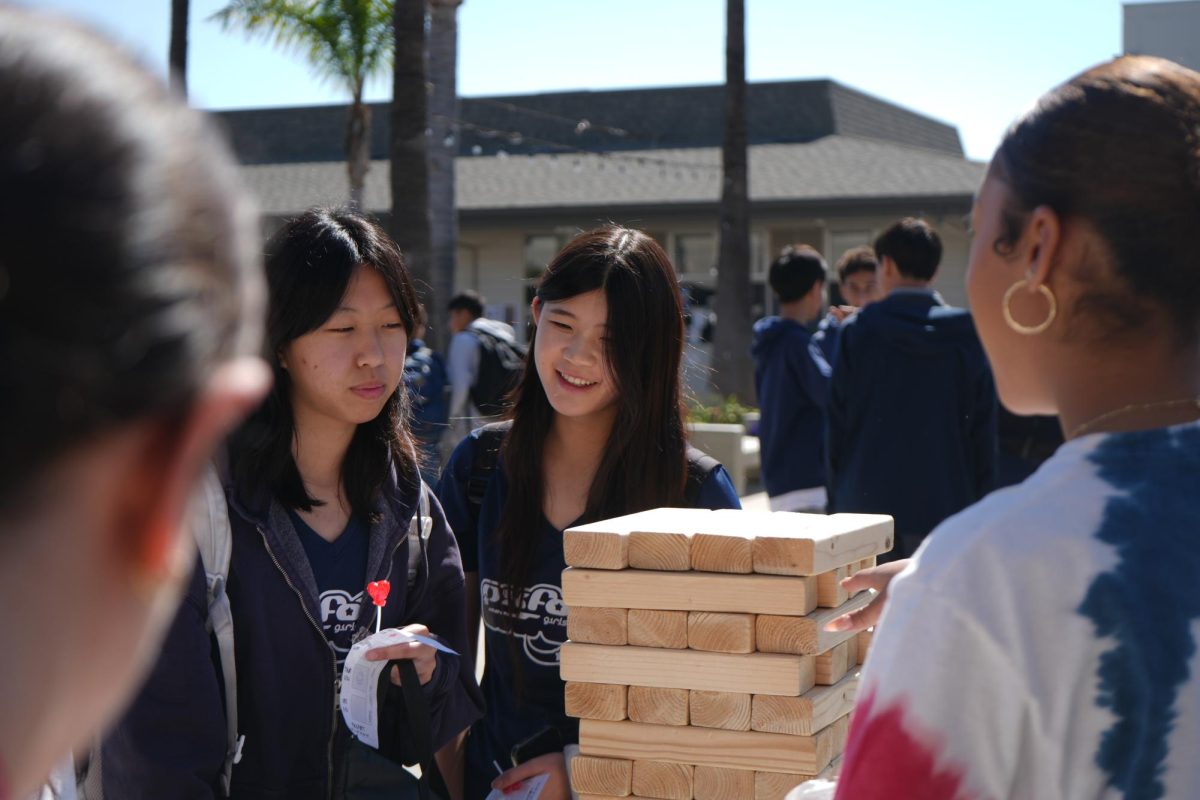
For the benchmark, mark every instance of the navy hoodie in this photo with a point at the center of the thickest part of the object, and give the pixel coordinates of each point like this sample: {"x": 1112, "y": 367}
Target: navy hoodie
{"x": 912, "y": 416}
{"x": 792, "y": 379}
{"x": 172, "y": 742}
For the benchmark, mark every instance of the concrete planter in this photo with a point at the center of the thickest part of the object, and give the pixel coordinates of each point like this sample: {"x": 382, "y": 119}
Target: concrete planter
{"x": 729, "y": 444}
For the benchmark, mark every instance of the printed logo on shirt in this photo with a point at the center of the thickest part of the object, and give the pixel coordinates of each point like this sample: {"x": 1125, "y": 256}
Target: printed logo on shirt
{"x": 339, "y": 616}
{"x": 540, "y": 624}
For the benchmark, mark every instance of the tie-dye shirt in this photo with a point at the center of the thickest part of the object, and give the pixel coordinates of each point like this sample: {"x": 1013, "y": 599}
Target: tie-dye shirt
{"x": 1043, "y": 644}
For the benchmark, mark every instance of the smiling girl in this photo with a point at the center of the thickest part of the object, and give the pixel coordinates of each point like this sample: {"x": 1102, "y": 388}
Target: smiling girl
{"x": 596, "y": 431}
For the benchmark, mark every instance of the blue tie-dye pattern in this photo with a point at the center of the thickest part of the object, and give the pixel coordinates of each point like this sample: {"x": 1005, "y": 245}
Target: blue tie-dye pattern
{"x": 1148, "y": 601}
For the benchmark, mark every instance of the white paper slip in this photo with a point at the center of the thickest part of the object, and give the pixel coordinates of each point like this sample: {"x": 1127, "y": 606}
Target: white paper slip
{"x": 530, "y": 789}
{"x": 360, "y": 681}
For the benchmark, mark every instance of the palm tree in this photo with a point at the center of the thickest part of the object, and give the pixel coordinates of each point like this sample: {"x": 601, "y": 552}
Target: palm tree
{"x": 410, "y": 145}
{"x": 442, "y": 48}
{"x": 177, "y": 58}
{"x": 732, "y": 337}
{"x": 345, "y": 41}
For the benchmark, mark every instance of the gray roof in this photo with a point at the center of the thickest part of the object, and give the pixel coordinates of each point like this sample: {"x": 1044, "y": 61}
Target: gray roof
{"x": 832, "y": 170}
{"x": 785, "y": 112}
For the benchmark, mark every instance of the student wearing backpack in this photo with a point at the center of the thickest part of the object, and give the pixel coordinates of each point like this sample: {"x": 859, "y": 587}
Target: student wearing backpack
{"x": 484, "y": 363}
{"x": 130, "y": 320}
{"x": 322, "y": 489}
{"x": 596, "y": 431}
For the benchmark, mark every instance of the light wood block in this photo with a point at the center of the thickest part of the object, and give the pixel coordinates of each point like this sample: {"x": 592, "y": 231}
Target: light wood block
{"x": 807, "y": 714}
{"x": 768, "y": 752}
{"x": 596, "y": 700}
{"x": 606, "y": 544}
{"x": 776, "y": 785}
{"x": 753, "y": 673}
{"x": 830, "y": 593}
{"x": 723, "y": 552}
{"x": 804, "y": 635}
{"x": 719, "y": 632}
{"x": 864, "y": 644}
{"x": 729, "y": 711}
{"x": 660, "y": 551}
{"x": 658, "y": 706}
{"x": 648, "y": 628}
{"x": 662, "y": 779}
{"x": 867, "y": 563}
{"x": 832, "y": 665}
{"x": 689, "y": 591}
{"x": 809, "y": 544}
{"x": 598, "y": 625}
{"x": 603, "y": 776}
{"x": 718, "y": 783}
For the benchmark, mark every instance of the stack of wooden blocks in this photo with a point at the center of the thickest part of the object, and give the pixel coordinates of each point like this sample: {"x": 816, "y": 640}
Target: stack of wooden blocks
{"x": 698, "y": 664}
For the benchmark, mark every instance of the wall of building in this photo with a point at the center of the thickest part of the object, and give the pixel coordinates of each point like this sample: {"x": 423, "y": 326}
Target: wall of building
{"x": 1170, "y": 30}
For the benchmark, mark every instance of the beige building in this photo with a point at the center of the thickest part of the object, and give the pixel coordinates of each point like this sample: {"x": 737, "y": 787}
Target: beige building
{"x": 1170, "y": 30}
{"x": 829, "y": 166}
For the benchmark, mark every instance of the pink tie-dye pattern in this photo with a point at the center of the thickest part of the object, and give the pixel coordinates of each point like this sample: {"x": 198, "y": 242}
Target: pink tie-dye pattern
{"x": 885, "y": 761}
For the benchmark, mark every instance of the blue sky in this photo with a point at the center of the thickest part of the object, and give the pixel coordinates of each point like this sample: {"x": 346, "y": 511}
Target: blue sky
{"x": 973, "y": 63}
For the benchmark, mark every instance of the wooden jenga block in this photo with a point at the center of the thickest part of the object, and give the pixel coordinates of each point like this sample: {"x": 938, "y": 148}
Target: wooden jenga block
{"x": 660, "y": 551}
{"x": 595, "y": 700}
{"x": 720, "y": 632}
{"x": 662, "y": 779}
{"x": 689, "y": 591}
{"x": 864, "y": 644}
{"x": 867, "y": 563}
{"x": 833, "y": 664}
{"x": 753, "y": 673}
{"x": 658, "y": 706}
{"x": 776, "y": 785}
{"x": 604, "y": 776}
{"x": 768, "y": 752}
{"x": 599, "y": 545}
{"x": 812, "y": 711}
{"x": 652, "y": 628}
{"x": 718, "y": 783}
{"x": 598, "y": 625}
{"x": 809, "y": 544}
{"x": 830, "y": 593}
{"x": 804, "y": 635}
{"x": 723, "y": 552}
{"x": 729, "y": 711}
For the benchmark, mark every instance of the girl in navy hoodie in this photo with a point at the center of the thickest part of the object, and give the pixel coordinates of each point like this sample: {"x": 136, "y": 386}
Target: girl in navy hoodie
{"x": 321, "y": 486}
{"x": 596, "y": 431}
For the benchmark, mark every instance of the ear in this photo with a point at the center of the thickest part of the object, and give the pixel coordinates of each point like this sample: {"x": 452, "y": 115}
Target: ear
{"x": 171, "y": 454}
{"x": 1043, "y": 238}
{"x": 535, "y": 308}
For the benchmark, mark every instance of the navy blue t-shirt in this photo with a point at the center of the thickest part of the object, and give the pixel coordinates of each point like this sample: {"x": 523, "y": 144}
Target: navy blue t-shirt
{"x": 522, "y": 698}
{"x": 340, "y": 568}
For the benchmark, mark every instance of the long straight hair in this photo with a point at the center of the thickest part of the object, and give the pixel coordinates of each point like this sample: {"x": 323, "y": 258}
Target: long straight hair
{"x": 645, "y": 462}
{"x": 310, "y": 262}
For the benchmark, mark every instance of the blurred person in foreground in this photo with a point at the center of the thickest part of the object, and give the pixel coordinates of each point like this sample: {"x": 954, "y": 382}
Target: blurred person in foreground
{"x": 129, "y": 295}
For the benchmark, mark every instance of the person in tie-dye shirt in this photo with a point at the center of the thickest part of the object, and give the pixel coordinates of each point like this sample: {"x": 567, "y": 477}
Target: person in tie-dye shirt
{"x": 1042, "y": 643}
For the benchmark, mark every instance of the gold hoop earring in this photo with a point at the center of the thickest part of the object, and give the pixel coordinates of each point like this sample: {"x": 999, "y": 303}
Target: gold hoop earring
{"x": 1029, "y": 330}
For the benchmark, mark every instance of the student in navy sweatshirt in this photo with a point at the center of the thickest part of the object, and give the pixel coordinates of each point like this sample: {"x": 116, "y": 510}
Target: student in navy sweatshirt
{"x": 791, "y": 375}
{"x": 912, "y": 412}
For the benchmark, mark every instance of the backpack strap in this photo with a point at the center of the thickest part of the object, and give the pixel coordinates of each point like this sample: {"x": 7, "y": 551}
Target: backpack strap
{"x": 419, "y": 529}
{"x": 487, "y": 458}
{"x": 208, "y": 517}
{"x": 699, "y": 466}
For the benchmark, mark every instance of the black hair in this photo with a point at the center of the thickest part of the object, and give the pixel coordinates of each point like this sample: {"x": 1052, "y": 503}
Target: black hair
{"x": 310, "y": 262}
{"x": 856, "y": 260}
{"x": 915, "y": 247}
{"x": 798, "y": 268}
{"x": 644, "y": 463}
{"x": 467, "y": 301}
{"x": 128, "y": 264}
{"x": 1119, "y": 147}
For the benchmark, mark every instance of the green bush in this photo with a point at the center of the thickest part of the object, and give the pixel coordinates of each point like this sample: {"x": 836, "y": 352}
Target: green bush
{"x": 729, "y": 411}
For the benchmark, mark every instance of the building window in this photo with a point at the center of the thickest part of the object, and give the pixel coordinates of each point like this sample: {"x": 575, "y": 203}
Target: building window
{"x": 696, "y": 257}
{"x": 540, "y": 248}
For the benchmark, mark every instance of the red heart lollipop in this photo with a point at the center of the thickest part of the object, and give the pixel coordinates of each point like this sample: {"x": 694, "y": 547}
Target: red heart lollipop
{"x": 379, "y": 592}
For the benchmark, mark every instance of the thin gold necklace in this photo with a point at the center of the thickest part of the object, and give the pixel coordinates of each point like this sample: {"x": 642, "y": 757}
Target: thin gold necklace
{"x": 1116, "y": 412}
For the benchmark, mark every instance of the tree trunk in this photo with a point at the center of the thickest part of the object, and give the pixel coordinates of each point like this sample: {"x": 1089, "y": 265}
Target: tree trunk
{"x": 443, "y": 147}
{"x": 358, "y": 147}
{"x": 177, "y": 57}
{"x": 731, "y": 346}
{"x": 409, "y": 148}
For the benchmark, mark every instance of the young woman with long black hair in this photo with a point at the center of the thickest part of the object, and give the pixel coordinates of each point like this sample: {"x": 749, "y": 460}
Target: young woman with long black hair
{"x": 596, "y": 431}
{"x": 322, "y": 485}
